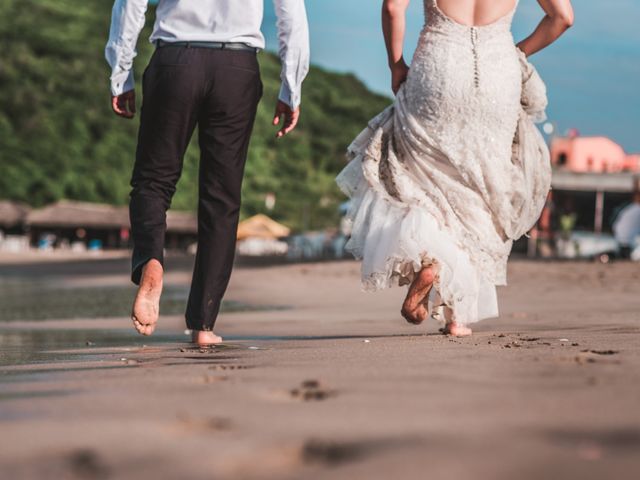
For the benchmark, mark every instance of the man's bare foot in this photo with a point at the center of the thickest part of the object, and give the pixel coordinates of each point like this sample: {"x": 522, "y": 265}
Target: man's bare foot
{"x": 203, "y": 337}
{"x": 456, "y": 330}
{"x": 146, "y": 306}
{"x": 414, "y": 308}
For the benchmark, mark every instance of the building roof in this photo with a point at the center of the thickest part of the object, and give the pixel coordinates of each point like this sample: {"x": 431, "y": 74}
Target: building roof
{"x": 12, "y": 213}
{"x": 261, "y": 226}
{"x": 72, "y": 214}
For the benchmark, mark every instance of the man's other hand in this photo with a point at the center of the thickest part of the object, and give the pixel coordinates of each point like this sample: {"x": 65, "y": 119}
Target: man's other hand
{"x": 124, "y": 105}
{"x": 288, "y": 116}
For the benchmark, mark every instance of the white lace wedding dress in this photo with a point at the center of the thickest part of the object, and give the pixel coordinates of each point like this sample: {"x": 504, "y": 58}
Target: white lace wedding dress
{"x": 454, "y": 170}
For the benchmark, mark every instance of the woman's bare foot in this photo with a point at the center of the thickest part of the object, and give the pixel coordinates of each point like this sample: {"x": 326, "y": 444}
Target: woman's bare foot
{"x": 203, "y": 337}
{"x": 414, "y": 308}
{"x": 146, "y": 306}
{"x": 456, "y": 330}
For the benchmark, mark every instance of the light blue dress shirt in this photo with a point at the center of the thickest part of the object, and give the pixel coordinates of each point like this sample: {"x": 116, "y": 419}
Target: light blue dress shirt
{"x": 213, "y": 21}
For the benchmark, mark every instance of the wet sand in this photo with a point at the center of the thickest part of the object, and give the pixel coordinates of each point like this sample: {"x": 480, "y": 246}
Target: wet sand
{"x": 324, "y": 381}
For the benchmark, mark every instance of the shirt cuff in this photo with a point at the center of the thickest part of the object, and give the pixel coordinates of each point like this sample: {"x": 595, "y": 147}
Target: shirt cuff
{"x": 289, "y": 97}
{"x": 122, "y": 82}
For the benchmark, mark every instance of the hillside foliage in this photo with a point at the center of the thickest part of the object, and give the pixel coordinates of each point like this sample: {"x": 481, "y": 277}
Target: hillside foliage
{"x": 59, "y": 138}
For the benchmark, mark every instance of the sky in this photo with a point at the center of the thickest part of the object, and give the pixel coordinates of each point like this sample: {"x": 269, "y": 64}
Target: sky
{"x": 592, "y": 73}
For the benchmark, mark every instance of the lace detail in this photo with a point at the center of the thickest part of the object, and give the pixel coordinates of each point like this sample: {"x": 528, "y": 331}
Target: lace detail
{"x": 454, "y": 170}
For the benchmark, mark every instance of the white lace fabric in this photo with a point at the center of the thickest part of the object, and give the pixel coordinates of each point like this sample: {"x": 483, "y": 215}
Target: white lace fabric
{"x": 454, "y": 170}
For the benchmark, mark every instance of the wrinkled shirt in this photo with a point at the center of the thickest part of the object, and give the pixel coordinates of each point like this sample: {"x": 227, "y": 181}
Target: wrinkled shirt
{"x": 211, "y": 21}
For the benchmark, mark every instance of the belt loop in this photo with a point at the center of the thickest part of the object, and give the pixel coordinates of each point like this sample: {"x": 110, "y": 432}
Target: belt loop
{"x": 223, "y": 46}
{"x": 188, "y": 44}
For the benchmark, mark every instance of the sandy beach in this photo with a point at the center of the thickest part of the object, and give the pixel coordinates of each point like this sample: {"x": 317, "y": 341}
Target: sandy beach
{"x": 317, "y": 379}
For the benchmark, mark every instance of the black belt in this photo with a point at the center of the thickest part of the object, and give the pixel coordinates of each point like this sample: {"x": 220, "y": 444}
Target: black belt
{"x": 216, "y": 45}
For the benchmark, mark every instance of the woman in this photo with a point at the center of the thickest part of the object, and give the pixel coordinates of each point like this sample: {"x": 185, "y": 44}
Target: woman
{"x": 448, "y": 176}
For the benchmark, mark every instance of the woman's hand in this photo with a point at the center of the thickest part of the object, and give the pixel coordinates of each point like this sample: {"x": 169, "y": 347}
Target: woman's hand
{"x": 399, "y": 72}
{"x": 393, "y": 26}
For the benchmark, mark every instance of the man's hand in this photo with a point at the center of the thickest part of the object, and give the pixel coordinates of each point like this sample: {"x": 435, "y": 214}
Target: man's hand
{"x": 399, "y": 72}
{"x": 124, "y": 104}
{"x": 290, "y": 118}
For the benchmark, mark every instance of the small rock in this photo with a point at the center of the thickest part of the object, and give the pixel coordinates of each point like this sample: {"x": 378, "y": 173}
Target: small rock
{"x": 89, "y": 343}
{"x": 367, "y": 341}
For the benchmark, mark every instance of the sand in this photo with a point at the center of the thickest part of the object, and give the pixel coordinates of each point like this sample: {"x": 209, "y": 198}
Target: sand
{"x": 330, "y": 382}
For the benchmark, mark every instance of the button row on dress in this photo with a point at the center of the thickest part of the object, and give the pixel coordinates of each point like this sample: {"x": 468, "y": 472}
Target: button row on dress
{"x": 474, "y": 49}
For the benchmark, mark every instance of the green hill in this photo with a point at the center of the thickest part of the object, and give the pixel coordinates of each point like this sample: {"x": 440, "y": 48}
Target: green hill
{"x": 59, "y": 138}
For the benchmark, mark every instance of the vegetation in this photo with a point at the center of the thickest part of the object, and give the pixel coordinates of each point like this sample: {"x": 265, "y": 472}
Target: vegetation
{"x": 59, "y": 138}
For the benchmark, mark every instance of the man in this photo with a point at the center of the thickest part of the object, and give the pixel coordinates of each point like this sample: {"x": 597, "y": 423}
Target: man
{"x": 204, "y": 72}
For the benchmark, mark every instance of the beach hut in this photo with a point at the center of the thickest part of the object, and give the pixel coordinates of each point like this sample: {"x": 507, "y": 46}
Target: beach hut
{"x": 12, "y": 217}
{"x": 13, "y": 237}
{"x": 261, "y": 226}
{"x": 99, "y": 226}
{"x": 67, "y": 222}
{"x": 592, "y": 179}
{"x": 260, "y": 236}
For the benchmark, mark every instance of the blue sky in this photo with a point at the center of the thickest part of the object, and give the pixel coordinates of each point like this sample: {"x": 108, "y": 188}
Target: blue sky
{"x": 592, "y": 74}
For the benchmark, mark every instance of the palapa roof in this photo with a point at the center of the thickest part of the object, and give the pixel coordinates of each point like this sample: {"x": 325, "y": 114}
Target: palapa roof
{"x": 12, "y": 213}
{"x": 72, "y": 214}
{"x": 261, "y": 226}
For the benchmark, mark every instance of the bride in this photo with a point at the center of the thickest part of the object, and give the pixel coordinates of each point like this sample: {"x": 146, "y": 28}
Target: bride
{"x": 446, "y": 178}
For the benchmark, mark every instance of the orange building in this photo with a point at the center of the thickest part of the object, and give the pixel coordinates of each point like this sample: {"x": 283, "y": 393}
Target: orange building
{"x": 592, "y": 154}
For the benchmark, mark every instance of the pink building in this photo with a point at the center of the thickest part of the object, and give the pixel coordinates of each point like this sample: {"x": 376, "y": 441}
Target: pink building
{"x": 592, "y": 154}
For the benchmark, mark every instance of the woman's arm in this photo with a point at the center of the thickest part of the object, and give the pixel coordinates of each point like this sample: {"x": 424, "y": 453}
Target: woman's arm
{"x": 393, "y": 27}
{"x": 558, "y": 18}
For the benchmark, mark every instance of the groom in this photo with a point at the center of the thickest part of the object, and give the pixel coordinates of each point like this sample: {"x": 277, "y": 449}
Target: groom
{"x": 203, "y": 72}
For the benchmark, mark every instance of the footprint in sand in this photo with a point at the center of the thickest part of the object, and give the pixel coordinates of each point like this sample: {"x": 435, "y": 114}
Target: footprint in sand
{"x": 86, "y": 463}
{"x": 230, "y": 367}
{"x": 214, "y": 379}
{"x": 593, "y": 356}
{"x": 216, "y": 424}
{"x": 311, "y": 390}
{"x": 603, "y": 352}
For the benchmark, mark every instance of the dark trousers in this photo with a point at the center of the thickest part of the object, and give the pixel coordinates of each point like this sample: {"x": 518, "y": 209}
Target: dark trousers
{"x": 217, "y": 90}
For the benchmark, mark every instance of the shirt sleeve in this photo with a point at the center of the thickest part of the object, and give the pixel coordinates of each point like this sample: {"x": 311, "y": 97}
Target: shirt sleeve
{"x": 293, "y": 38}
{"x": 127, "y": 20}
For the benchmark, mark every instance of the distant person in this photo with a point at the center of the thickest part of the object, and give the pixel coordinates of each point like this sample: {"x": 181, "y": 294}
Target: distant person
{"x": 626, "y": 227}
{"x": 203, "y": 72}
{"x": 445, "y": 179}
